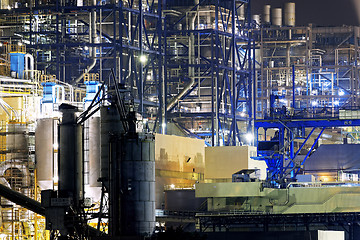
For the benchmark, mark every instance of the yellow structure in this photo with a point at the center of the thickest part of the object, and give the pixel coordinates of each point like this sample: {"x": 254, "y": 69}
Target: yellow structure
{"x": 222, "y": 162}
{"x": 179, "y": 163}
{"x": 296, "y": 198}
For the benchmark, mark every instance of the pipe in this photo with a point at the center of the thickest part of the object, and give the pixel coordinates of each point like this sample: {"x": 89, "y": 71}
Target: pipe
{"x": 4, "y": 104}
{"x": 191, "y": 71}
{"x": 31, "y": 67}
{"x": 21, "y": 200}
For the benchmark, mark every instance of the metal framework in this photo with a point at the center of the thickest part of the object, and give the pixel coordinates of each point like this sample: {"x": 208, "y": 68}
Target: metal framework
{"x": 70, "y": 39}
{"x": 347, "y": 222}
{"x": 209, "y": 65}
{"x": 308, "y": 79}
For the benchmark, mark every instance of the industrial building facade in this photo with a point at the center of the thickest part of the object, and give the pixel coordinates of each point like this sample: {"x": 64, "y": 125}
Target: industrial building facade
{"x": 125, "y": 119}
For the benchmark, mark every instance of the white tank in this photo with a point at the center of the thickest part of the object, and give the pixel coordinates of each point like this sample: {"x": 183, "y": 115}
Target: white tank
{"x": 276, "y": 16}
{"x": 289, "y": 14}
{"x": 256, "y": 18}
{"x": 266, "y": 14}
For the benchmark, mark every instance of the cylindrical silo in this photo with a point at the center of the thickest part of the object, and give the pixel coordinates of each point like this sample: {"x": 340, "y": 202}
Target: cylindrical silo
{"x": 138, "y": 186}
{"x": 266, "y": 14}
{"x": 256, "y": 18}
{"x": 17, "y": 141}
{"x": 71, "y": 180}
{"x": 289, "y": 14}
{"x": 276, "y": 16}
{"x": 110, "y": 125}
{"x": 94, "y": 152}
{"x": 44, "y": 152}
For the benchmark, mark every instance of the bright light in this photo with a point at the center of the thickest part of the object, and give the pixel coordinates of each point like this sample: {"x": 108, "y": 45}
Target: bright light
{"x": 314, "y": 103}
{"x": 249, "y": 137}
{"x": 56, "y": 179}
{"x": 336, "y": 103}
{"x": 242, "y": 114}
{"x": 8, "y": 7}
{"x": 86, "y": 48}
{"x": 283, "y": 101}
{"x": 1, "y": 44}
{"x": 148, "y": 77}
{"x": 341, "y": 93}
{"x": 172, "y": 186}
{"x": 20, "y": 43}
{"x": 55, "y": 146}
{"x": 143, "y": 59}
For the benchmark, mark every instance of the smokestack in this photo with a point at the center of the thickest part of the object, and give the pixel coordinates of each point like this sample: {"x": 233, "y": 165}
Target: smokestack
{"x": 276, "y": 17}
{"x": 266, "y": 14}
{"x": 289, "y": 14}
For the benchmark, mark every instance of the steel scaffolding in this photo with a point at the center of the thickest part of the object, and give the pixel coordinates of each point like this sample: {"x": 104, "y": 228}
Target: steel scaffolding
{"x": 210, "y": 60}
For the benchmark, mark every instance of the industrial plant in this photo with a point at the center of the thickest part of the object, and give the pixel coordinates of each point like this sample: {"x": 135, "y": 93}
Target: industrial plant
{"x": 201, "y": 119}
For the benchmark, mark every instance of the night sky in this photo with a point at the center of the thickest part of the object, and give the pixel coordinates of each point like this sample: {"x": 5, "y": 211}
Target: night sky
{"x": 318, "y": 12}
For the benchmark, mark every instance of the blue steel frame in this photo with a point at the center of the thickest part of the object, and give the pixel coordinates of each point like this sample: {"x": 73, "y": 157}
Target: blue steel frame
{"x": 225, "y": 65}
{"x": 281, "y": 162}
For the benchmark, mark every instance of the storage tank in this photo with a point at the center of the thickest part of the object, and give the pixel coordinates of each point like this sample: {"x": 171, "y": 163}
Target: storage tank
{"x": 289, "y": 14}
{"x": 44, "y": 152}
{"x": 71, "y": 180}
{"x": 17, "y": 141}
{"x": 276, "y": 18}
{"x": 138, "y": 186}
{"x": 266, "y": 14}
{"x": 110, "y": 126}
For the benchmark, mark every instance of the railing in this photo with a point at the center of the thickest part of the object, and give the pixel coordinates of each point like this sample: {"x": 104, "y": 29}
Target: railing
{"x": 322, "y": 184}
{"x": 313, "y": 113}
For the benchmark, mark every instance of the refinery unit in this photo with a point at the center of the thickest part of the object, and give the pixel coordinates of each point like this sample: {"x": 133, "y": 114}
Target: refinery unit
{"x": 128, "y": 119}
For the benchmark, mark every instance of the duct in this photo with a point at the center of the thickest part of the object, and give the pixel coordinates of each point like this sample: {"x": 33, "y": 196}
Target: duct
{"x": 21, "y": 200}
{"x": 29, "y": 66}
{"x": 191, "y": 72}
{"x": 18, "y": 165}
{"x": 187, "y": 88}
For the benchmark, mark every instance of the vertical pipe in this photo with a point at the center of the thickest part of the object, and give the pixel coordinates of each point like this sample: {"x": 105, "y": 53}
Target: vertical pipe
{"x": 141, "y": 80}
{"x": 100, "y": 48}
{"x": 217, "y": 53}
{"x": 164, "y": 120}
{"x": 121, "y": 57}
{"x": 161, "y": 95}
{"x": 212, "y": 93}
{"x": 234, "y": 76}
{"x": 114, "y": 42}
{"x": 292, "y": 156}
{"x": 250, "y": 73}
{"x": 57, "y": 44}
{"x": 293, "y": 85}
